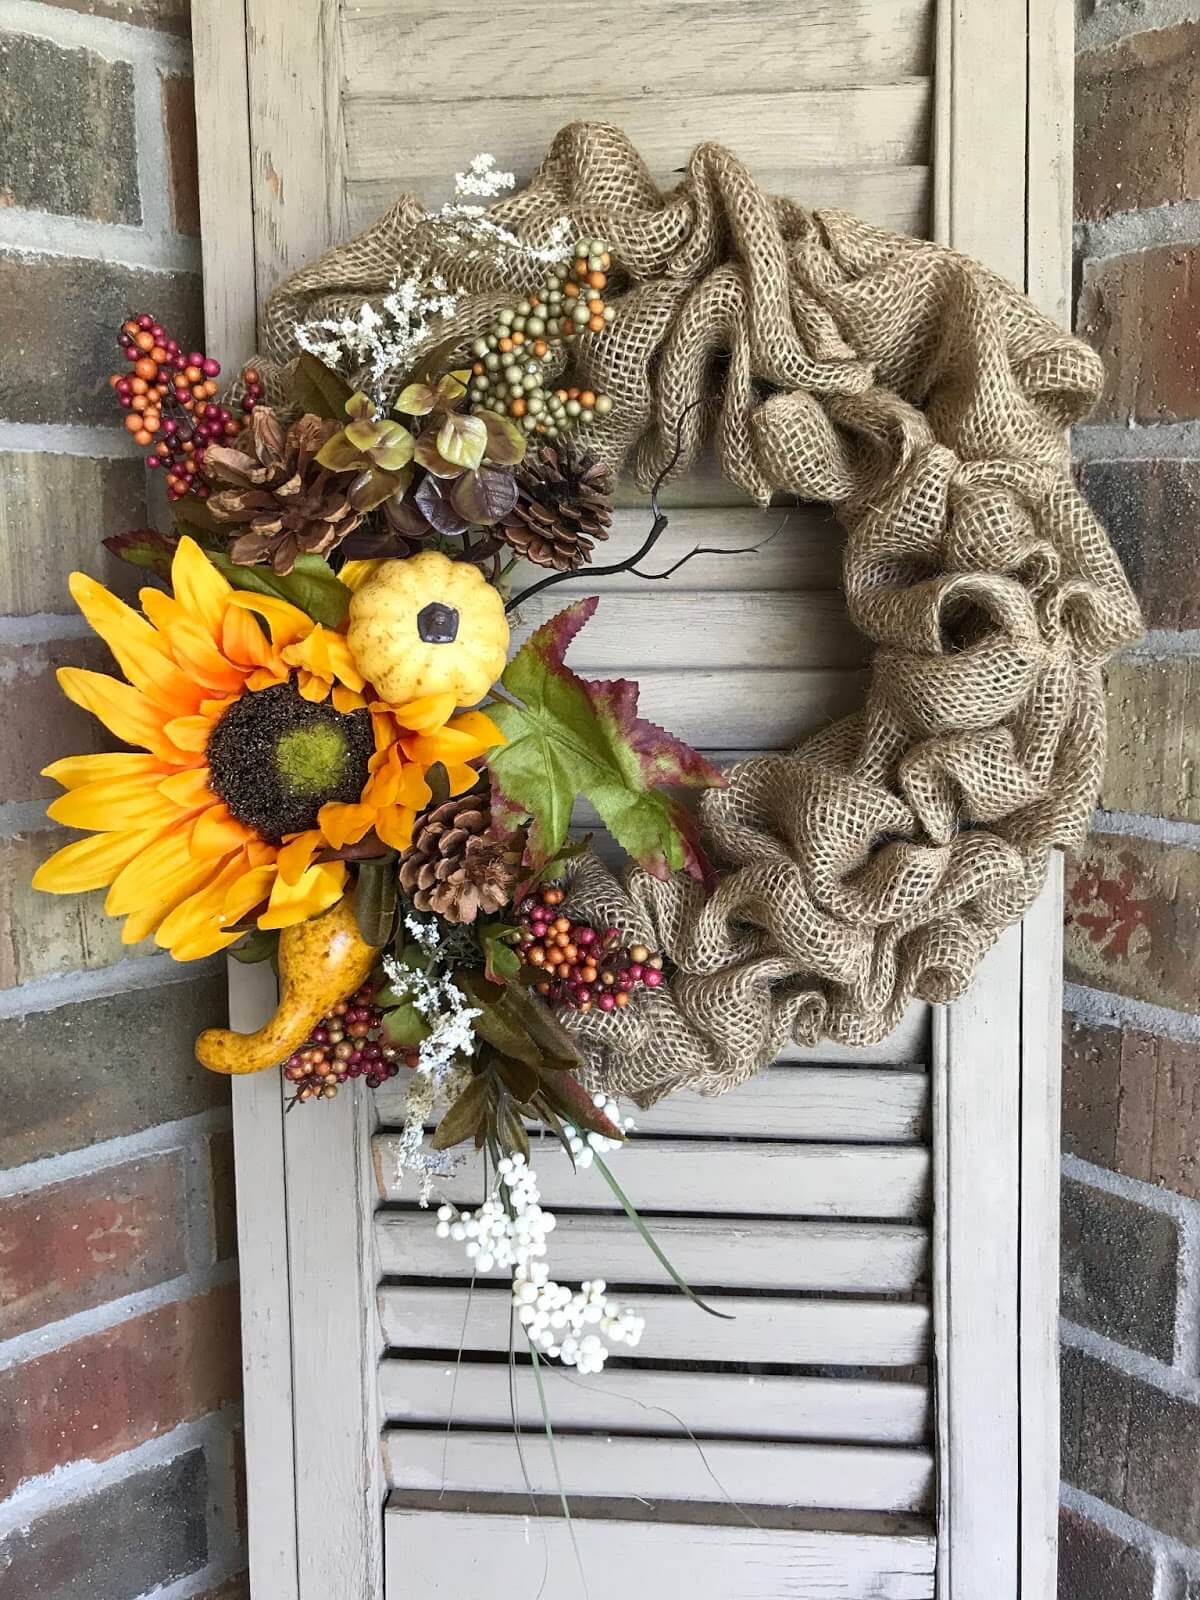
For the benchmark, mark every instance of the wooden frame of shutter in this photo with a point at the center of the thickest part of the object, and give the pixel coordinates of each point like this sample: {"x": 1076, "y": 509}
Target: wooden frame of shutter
{"x": 271, "y": 71}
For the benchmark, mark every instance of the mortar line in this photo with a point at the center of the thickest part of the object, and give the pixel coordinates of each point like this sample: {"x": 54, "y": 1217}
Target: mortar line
{"x": 44, "y": 627}
{"x": 1149, "y": 1540}
{"x": 203, "y": 1582}
{"x": 1110, "y": 23}
{"x": 152, "y": 248}
{"x": 1148, "y": 441}
{"x": 1130, "y": 232}
{"x": 94, "y": 1158}
{"x": 1150, "y": 1196}
{"x": 74, "y": 1480}
{"x": 99, "y": 983}
{"x": 23, "y": 816}
{"x": 1104, "y": 1009}
{"x": 25, "y": 1347}
{"x": 1162, "y": 643}
{"x": 1133, "y": 1363}
{"x": 68, "y": 439}
{"x": 106, "y": 36}
{"x": 1137, "y": 825}
{"x": 153, "y": 165}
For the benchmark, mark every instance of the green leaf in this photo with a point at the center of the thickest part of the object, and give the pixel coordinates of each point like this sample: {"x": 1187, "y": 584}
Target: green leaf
{"x": 501, "y": 961}
{"x": 260, "y": 945}
{"x": 462, "y": 440}
{"x": 375, "y": 900}
{"x": 511, "y": 1130}
{"x": 312, "y": 585}
{"x": 403, "y": 1024}
{"x": 191, "y": 515}
{"x": 465, "y": 1117}
{"x": 521, "y": 1081}
{"x": 568, "y": 737}
{"x": 144, "y": 547}
{"x": 485, "y": 495}
{"x": 318, "y": 389}
{"x": 544, "y": 1028}
{"x": 415, "y": 400}
{"x": 496, "y": 1023}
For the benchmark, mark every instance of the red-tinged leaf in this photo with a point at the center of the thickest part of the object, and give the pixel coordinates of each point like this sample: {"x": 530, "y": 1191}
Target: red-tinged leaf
{"x": 568, "y": 1097}
{"x": 144, "y": 547}
{"x": 465, "y": 1118}
{"x": 567, "y": 737}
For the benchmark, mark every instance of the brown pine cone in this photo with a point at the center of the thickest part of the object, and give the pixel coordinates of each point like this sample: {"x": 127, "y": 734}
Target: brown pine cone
{"x": 285, "y": 503}
{"x": 564, "y": 504}
{"x": 455, "y": 866}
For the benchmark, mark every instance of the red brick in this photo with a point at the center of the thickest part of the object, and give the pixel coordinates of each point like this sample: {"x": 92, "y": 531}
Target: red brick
{"x": 1153, "y": 737}
{"x": 41, "y": 724}
{"x": 1142, "y": 313}
{"x": 1131, "y": 1103}
{"x": 1133, "y": 920}
{"x": 1094, "y": 1564}
{"x": 1151, "y": 510}
{"x": 179, "y": 128}
{"x": 224, "y": 1195}
{"x": 237, "y": 1588}
{"x": 136, "y": 1535}
{"x": 1137, "y": 122}
{"x": 77, "y": 1244}
{"x": 110, "y": 1391}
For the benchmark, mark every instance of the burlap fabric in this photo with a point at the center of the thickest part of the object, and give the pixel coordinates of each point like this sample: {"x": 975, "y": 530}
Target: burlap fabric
{"x": 926, "y": 400}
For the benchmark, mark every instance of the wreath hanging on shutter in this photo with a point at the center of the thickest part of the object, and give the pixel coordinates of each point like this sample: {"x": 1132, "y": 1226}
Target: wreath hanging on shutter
{"x": 337, "y": 769}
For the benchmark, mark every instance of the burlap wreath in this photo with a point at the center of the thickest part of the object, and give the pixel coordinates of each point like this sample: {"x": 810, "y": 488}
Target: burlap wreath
{"x": 924, "y": 398}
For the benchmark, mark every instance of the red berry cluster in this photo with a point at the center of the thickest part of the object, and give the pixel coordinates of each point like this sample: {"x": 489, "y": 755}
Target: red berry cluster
{"x": 345, "y": 1044}
{"x": 583, "y": 967}
{"x": 170, "y": 399}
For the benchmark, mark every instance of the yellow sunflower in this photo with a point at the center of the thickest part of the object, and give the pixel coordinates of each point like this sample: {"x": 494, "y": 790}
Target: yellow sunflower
{"x": 255, "y": 732}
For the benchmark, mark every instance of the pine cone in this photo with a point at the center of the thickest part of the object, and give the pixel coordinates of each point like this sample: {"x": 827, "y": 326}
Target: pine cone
{"x": 564, "y": 504}
{"x": 286, "y": 503}
{"x": 455, "y": 866}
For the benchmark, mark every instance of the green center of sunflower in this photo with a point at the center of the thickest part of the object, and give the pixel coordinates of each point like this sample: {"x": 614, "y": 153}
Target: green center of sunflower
{"x": 276, "y": 759}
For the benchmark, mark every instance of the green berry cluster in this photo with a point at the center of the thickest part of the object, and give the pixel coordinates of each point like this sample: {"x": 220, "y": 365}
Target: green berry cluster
{"x": 508, "y": 370}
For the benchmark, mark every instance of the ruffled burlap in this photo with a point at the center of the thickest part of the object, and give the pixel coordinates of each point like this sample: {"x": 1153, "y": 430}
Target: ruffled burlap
{"x": 926, "y": 400}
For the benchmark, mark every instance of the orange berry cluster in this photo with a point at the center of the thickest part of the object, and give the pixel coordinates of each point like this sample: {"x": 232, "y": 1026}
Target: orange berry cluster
{"x": 170, "y": 398}
{"x": 582, "y": 967}
{"x": 509, "y": 361}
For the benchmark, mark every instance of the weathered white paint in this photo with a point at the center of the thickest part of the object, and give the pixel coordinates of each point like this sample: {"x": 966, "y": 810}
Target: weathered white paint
{"x": 728, "y": 1559}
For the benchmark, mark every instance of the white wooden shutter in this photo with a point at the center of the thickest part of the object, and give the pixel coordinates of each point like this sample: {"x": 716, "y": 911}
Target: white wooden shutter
{"x": 882, "y": 1410}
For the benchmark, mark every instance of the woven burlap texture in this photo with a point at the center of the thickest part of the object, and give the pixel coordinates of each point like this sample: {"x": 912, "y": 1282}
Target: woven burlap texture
{"x": 924, "y": 398}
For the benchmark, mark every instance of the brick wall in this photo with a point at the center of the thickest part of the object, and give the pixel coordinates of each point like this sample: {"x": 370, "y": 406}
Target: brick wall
{"x": 1131, "y": 1089}
{"x": 119, "y": 1364}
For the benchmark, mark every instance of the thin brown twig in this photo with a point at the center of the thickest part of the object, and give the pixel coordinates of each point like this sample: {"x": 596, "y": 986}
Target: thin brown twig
{"x": 657, "y": 528}
{"x": 710, "y": 550}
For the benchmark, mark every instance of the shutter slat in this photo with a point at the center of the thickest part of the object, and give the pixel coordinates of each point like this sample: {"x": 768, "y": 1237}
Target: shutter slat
{"x": 711, "y": 1177}
{"x": 762, "y": 1472}
{"x": 636, "y": 1401}
{"x": 882, "y": 125}
{"x": 802, "y": 1257}
{"x": 845, "y": 41}
{"x": 429, "y": 1546}
{"x": 808, "y": 1332}
{"x": 668, "y": 631}
{"x": 852, "y": 1103}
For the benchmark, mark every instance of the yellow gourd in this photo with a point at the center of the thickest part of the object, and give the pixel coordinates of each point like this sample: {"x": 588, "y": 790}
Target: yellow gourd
{"x": 428, "y": 625}
{"x": 320, "y": 962}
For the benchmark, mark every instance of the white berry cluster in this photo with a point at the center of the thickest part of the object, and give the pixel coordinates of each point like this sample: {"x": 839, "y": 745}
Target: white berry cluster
{"x": 500, "y": 1235}
{"x": 584, "y": 1147}
{"x": 567, "y": 1324}
{"x": 509, "y": 1230}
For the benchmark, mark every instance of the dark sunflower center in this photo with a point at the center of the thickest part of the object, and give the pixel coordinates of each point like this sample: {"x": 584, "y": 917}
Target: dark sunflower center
{"x": 276, "y": 759}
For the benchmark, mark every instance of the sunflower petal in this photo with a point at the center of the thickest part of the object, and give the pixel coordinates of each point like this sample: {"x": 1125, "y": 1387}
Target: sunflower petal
{"x": 147, "y": 883}
{"x": 138, "y": 649}
{"x": 189, "y": 789}
{"x": 296, "y": 856}
{"x": 124, "y": 710}
{"x": 313, "y": 893}
{"x": 286, "y": 622}
{"x": 191, "y": 646}
{"x": 249, "y": 890}
{"x": 199, "y": 587}
{"x": 460, "y": 777}
{"x": 394, "y": 825}
{"x": 72, "y": 772}
{"x": 216, "y": 832}
{"x": 90, "y": 863}
{"x": 425, "y": 714}
{"x": 190, "y": 734}
{"x": 344, "y": 824}
{"x": 115, "y": 807}
{"x": 197, "y": 921}
{"x": 479, "y": 726}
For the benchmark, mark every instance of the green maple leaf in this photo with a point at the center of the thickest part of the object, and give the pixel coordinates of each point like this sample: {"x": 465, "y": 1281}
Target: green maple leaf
{"x": 572, "y": 737}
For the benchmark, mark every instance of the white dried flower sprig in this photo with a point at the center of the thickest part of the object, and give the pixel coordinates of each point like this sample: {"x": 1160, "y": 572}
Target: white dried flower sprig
{"x": 483, "y": 179}
{"x": 509, "y": 1231}
{"x": 373, "y": 345}
{"x": 480, "y": 234}
{"x": 441, "y": 1057}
